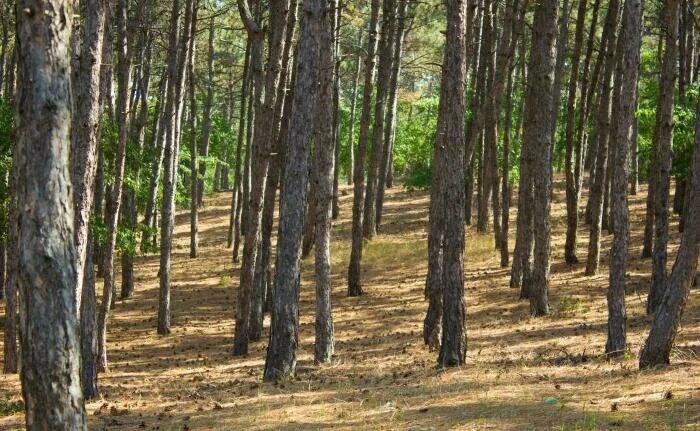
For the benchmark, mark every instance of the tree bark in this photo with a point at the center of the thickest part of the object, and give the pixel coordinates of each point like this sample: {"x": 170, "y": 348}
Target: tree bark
{"x": 621, "y": 136}
{"x": 353, "y": 106}
{"x": 46, "y": 266}
{"x": 263, "y": 142}
{"x": 195, "y": 189}
{"x": 206, "y": 114}
{"x": 667, "y": 319}
{"x": 386, "y": 44}
{"x": 450, "y": 151}
{"x": 358, "y": 203}
{"x": 538, "y": 136}
{"x": 284, "y": 334}
{"x": 603, "y": 138}
{"x": 664, "y": 124}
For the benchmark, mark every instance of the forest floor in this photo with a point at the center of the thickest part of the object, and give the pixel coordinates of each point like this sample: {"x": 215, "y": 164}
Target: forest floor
{"x": 522, "y": 373}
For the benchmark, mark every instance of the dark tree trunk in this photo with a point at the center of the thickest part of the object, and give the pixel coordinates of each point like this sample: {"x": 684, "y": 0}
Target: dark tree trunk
{"x": 450, "y": 152}
{"x": 46, "y": 265}
{"x": 505, "y": 176}
{"x": 667, "y": 318}
{"x": 621, "y": 135}
{"x": 537, "y": 137}
{"x": 263, "y": 143}
{"x": 88, "y": 326}
{"x": 358, "y": 203}
{"x": 664, "y": 124}
{"x": 284, "y": 334}
{"x": 10, "y": 363}
{"x": 195, "y": 189}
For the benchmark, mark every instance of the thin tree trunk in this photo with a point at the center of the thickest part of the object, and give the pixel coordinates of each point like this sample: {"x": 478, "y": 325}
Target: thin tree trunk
{"x": 664, "y": 124}
{"x": 621, "y": 135}
{"x": 195, "y": 189}
{"x": 113, "y": 204}
{"x": 263, "y": 142}
{"x": 386, "y": 37}
{"x": 358, "y": 203}
{"x": 10, "y": 363}
{"x": 284, "y": 334}
{"x": 603, "y": 138}
{"x": 206, "y": 114}
{"x": 46, "y": 266}
{"x": 353, "y": 106}
{"x": 572, "y": 182}
{"x": 538, "y": 136}
{"x": 324, "y": 155}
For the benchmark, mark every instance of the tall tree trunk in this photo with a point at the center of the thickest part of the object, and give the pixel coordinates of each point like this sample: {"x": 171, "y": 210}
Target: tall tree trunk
{"x": 195, "y": 188}
{"x": 234, "y": 227}
{"x": 353, "y": 106}
{"x": 324, "y": 154}
{"x": 10, "y": 363}
{"x": 263, "y": 142}
{"x": 206, "y": 114}
{"x": 178, "y": 52}
{"x": 284, "y": 333}
{"x": 603, "y": 138}
{"x": 113, "y": 204}
{"x": 572, "y": 183}
{"x": 537, "y": 138}
{"x": 621, "y": 135}
{"x": 88, "y": 326}
{"x": 386, "y": 44}
{"x": 667, "y": 318}
{"x": 450, "y": 152}
{"x": 390, "y": 121}
{"x": 358, "y": 203}
{"x": 505, "y": 176}
{"x": 664, "y": 125}
{"x": 46, "y": 266}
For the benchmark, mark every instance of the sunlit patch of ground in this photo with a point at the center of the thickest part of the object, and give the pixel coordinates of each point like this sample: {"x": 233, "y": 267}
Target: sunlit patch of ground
{"x": 522, "y": 373}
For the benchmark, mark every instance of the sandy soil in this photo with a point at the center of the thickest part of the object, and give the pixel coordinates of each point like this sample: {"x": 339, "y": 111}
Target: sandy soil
{"x": 522, "y": 373}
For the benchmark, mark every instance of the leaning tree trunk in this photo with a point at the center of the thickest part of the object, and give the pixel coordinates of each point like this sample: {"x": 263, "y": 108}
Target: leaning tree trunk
{"x": 538, "y": 136}
{"x": 667, "y": 319}
{"x": 284, "y": 333}
{"x": 664, "y": 124}
{"x": 623, "y": 119}
{"x": 46, "y": 266}
{"x": 358, "y": 203}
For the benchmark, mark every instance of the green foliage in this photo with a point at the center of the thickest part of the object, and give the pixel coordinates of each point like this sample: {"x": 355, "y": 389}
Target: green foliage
{"x": 414, "y": 142}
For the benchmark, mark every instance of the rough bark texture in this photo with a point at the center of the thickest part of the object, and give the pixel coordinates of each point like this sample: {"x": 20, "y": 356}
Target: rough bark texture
{"x": 623, "y": 119}
{"x": 206, "y": 115}
{"x": 449, "y": 149}
{"x": 324, "y": 154}
{"x": 602, "y": 137}
{"x": 284, "y": 332}
{"x": 538, "y": 136}
{"x": 263, "y": 142}
{"x": 664, "y": 124}
{"x": 358, "y": 203}
{"x": 88, "y": 326}
{"x": 86, "y": 131}
{"x": 195, "y": 188}
{"x": 667, "y": 319}
{"x": 46, "y": 267}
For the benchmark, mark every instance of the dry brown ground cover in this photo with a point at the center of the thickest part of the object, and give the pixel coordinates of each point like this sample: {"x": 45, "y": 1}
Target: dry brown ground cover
{"x": 522, "y": 373}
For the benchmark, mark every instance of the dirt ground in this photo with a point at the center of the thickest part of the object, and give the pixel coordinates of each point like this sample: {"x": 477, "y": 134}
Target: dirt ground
{"x": 522, "y": 373}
